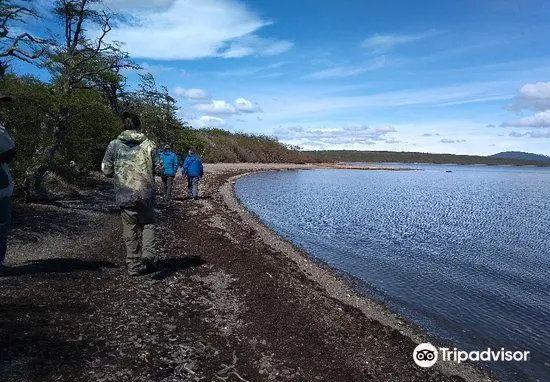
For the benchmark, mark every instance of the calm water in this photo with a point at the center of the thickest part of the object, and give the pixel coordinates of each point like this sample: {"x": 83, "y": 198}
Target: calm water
{"x": 465, "y": 255}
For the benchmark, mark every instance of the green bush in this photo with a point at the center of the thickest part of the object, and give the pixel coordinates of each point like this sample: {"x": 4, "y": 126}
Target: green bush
{"x": 29, "y": 118}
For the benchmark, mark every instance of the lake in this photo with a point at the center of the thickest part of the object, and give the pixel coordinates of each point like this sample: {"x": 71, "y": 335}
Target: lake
{"x": 463, "y": 254}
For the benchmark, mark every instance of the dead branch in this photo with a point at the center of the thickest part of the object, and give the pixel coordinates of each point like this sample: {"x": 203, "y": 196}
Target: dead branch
{"x": 15, "y": 13}
{"x": 16, "y": 51}
{"x": 9, "y": 13}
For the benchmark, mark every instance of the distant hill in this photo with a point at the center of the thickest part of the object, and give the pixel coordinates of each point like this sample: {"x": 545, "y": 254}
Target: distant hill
{"x": 413, "y": 157}
{"x": 223, "y": 146}
{"x": 520, "y": 155}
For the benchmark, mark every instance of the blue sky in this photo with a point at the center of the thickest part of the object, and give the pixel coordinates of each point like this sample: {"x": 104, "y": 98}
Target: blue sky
{"x": 468, "y": 77}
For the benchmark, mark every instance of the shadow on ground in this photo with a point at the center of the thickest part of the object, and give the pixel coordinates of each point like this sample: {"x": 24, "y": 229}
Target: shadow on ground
{"x": 177, "y": 264}
{"x": 57, "y": 266}
{"x": 31, "y": 223}
{"x": 89, "y": 205}
{"x": 33, "y": 348}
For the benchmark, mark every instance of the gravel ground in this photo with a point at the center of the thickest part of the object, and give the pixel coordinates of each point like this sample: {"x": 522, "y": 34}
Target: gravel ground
{"x": 232, "y": 302}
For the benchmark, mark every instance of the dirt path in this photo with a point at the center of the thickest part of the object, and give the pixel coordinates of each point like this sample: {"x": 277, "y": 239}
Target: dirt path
{"x": 227, "y": 305}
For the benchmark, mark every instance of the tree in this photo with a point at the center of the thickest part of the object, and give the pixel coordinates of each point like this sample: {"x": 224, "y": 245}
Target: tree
{"x": 30, "y": 119}
{"x": 78, "y": 62}
{"x": 158, "y": 114}
{"x": 22, "y": 46}
{"x": 112, "y": 83}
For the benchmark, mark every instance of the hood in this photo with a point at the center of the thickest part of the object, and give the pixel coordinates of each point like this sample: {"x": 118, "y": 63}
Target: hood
{"x": 132, "y": 137}
{"x": 167, "y": 153}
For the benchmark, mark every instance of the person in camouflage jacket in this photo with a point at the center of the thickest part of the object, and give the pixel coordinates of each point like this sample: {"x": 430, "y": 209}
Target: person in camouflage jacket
{"x": 132, "y": 161}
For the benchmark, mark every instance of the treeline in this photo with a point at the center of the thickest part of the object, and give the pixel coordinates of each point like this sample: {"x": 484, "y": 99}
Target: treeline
{"x": 63, "y": 126}
{"x": 412, "y": 157}
{"x": 223, "y": 146}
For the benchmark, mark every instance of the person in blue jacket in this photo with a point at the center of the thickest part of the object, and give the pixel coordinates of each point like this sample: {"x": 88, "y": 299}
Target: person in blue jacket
{"x": 193, "y": 170}
{"x": 170, "y": 162}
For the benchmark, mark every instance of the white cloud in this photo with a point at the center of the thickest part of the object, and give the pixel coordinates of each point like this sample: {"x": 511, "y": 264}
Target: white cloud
{"x": 539, "y": 134}
{"x": 331, "y": 137}
{"x": 515, "y": 134}
{"x": 536, "y": 97}
{"x": 385, "y": 42}
{"x": 245, "y": 106}
{"x": 179, "y": 91}
{"x": 217, "y": 107}
{"x": 276, "y": 47}
{"x": 192, "y": 29}
{"x": 209, "y": 121}
{"x": 379, "y": 130}
{"x": 251, "y": 44}
{"x": 447, "y": 140}
{"x": 541, "y": 119}
{"x": 154, "y": 68}
{"x": 348, "y": 71}
{"x": 531, "y": 134}
{"x": 191, "y": 94}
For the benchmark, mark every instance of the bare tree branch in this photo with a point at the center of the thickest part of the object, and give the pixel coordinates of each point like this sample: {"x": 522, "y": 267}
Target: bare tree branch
{"x": 105, "y": 29}
{"x": 15, "y": 13}
{"x": 100, "y": 47}
{"x": 9, "y": 12}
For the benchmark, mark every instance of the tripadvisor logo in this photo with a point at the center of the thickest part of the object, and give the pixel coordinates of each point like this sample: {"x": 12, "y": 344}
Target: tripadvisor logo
{"x": 426, "y": 355}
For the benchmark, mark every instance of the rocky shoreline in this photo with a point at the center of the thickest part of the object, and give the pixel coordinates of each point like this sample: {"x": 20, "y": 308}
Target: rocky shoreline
{"x": 233, "y": 302}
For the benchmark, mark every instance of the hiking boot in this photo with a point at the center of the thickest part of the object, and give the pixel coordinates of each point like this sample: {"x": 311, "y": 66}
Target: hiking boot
{"x": 151, "y": 265}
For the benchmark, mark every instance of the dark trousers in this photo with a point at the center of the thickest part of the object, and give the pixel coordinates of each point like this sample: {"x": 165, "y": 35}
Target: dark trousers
{"x": 167, "y": 184}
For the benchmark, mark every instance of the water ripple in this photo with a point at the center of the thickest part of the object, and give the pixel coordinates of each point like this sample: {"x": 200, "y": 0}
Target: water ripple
{"x": 466, "y": 254}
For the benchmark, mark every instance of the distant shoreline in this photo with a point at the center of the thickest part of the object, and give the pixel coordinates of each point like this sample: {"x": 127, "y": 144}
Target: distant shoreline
{"x": 425, "y": 158}
{"x": 343, "y": 166}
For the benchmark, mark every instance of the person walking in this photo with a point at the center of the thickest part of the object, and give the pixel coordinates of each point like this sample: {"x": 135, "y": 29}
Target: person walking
{"x": 7, "y": 153}
{"x": 170, "y": 163}
{"x": 193, "y": 169}
{"x": 132, "y": 161}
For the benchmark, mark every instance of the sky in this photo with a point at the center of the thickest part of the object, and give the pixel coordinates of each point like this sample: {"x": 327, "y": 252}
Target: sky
{"x": 448, "y": 76}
